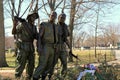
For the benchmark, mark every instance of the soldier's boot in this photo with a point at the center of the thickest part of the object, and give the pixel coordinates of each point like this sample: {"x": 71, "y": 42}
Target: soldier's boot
{"x": 70, "y": 60}
{"x": 27, "y": 78}
{"x": 35, "y": 78}
{"x": 64, "y": 73}
{"x": 43, "y": 77}
{"x": 49, "y": 77}
{"x": 18, "y": 78}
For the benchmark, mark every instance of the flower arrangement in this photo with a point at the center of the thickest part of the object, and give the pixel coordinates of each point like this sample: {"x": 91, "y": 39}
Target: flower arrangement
{"x": 88, "y": 72}
{"x": 90, "y": 67}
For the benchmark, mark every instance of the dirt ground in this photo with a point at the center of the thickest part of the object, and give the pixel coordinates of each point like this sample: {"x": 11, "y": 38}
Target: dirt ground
{"x": 7, "y": 74}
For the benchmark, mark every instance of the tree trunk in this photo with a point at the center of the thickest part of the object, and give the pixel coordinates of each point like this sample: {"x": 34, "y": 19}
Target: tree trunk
{"x": 3, "y": 62}
{"x": 71, "y": 23}
{"x": 96, "y": 29}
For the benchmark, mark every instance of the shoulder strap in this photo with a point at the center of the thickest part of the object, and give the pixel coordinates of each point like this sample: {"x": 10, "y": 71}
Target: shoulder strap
{"x": 54, "y": 33}
{"x": 27, "y": 29}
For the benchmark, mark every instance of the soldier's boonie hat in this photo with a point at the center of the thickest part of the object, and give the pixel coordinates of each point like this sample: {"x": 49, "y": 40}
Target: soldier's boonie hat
{"x": 33, "y": 13}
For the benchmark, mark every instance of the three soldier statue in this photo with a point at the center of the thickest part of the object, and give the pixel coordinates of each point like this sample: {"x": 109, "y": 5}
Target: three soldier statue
{"x": 52, "y": 39}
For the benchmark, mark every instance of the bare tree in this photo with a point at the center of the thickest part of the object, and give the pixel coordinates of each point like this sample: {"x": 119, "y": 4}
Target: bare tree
{"x": 81, "y": 38}
{"x": 111, "y": 33}
{"x": 96, "y": 27}
{"x": 81, "y": 11}
{"x": 15, "y": 7}
{"x": 51, "y": 5}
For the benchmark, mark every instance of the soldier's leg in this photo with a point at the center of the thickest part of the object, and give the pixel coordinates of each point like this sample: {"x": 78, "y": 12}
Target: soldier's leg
{"x": 51, "y": 63}
{"x": 55, "y": 60}
{"x": 63, "y": 59}
{"x": 70, "y": 58}
{"x": 43, "y": 58}
{"x": 43, "y": 76}
{"x": 21, "y": 61}
{"x": 30, "y": 66}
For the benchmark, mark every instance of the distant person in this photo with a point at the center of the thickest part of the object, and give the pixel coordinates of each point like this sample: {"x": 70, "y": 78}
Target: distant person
{"x": 25, "y": 33}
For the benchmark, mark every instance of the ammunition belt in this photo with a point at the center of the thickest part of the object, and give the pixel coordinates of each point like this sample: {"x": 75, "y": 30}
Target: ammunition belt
{"x": 25, "y": 40}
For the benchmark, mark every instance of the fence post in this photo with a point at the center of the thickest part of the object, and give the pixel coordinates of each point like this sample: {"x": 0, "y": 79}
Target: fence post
{"x": 105, "y": 59}
{"x": 89, "y": 58}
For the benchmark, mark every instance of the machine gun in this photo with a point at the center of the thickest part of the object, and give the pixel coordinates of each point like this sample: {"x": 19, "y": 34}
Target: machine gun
{"x": 70, "y": 53}
{"x": 19, "y": 19}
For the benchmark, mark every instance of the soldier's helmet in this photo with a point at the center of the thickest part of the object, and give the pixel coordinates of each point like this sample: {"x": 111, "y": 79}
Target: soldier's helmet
{"x": 33, "y": 13}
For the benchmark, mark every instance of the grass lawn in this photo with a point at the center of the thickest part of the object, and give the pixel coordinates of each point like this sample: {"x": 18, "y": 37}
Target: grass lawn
{"x": 86, "y": 57}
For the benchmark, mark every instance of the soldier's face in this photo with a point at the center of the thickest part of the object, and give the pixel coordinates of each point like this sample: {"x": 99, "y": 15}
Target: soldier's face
{"x": 61, "y": 19}
{"x": 32, "y": 18}
{"x": 53, "y": 16}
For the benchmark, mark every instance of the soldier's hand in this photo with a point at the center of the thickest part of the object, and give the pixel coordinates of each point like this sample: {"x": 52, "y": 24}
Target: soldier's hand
{"x": 40, "y": 51}
{"x": 22, "y": 20}
{"x": 70, "y": 51}
{"x": 15, "y": 22}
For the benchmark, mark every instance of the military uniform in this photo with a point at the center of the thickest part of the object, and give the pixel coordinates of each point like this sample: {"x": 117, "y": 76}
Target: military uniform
{"x": 25, "y": 48}
{"x": 63, "y": 33}
{"x": 46, "y": 48}
{"x": 62, "y": 53}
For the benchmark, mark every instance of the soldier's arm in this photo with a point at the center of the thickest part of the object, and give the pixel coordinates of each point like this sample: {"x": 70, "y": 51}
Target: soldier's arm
{"x": 15, "y": 23}
{"x": 17, "y": 20}
{"x": 68, "y": 44}
{"x": 40, "y": 37}
{"x": 14, "y": 30}
{"x": 67, "y": 41}
{"x": 35, "y": 33}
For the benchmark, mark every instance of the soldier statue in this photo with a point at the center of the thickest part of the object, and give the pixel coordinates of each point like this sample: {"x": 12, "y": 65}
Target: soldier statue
{"x": 25, "y": 32}
{"x": 47, "y": 40}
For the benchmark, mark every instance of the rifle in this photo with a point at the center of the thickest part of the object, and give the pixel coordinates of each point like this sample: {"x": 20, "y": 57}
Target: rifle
{"x": 20, "y": 19}
{"x": 70, "y": 53}
{"x": 15, "y": 23}
{"x": 27, "y": 29}
{"x": 16, "y": 20}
